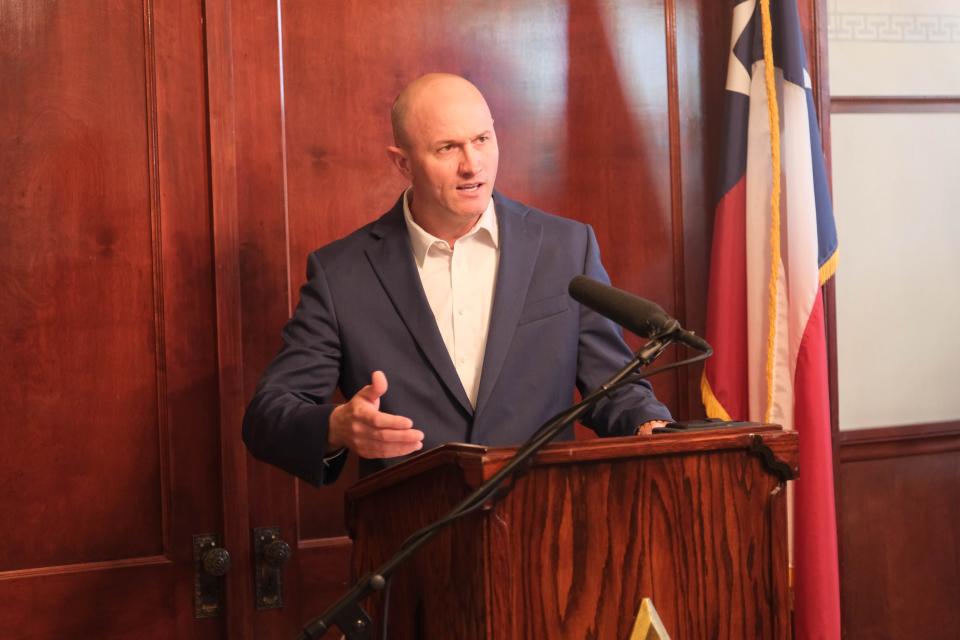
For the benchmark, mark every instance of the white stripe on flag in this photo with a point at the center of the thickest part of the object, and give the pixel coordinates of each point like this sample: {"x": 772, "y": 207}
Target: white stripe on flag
{"x": 798, "y": 276}
{"x": 799, "y": 226}
{"x": 738, "y": 77}
{"x": 758, "y": 190}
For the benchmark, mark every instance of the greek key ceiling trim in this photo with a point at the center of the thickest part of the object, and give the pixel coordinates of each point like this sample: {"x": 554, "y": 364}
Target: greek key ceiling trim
{"x": 893, "y": 27}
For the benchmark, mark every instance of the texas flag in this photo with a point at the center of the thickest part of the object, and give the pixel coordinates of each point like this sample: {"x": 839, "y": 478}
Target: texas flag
{"x": 774, "y": 245}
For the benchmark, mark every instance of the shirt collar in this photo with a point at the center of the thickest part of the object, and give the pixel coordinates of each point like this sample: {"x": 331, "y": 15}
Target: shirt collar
{"x": 421, "y": 240}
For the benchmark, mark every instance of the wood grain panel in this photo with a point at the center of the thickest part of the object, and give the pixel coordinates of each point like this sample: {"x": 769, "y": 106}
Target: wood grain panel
{"x": 582, "y": 537}
{"x": 900, "y": 532}
{"x": 453, "y": 560}
{"x": 662, "y": 514}
{"x": 321, "y": 509}
{"x": 262, "y": 298}
{"x": 325, "y": 575}
{"x": 103, "y": 614}
{"x": 899, "y": 441}
{"x": 109, "y": 446}
{"x": 78, "y": 325}
{"x": 676, "y": 187}
{"x": 184, "y": 274}
{"x": 224, "y": 168}
{"x": 617, "y": 158}
{"x": 190, "y": 442}
{"x": 702, "y": 30}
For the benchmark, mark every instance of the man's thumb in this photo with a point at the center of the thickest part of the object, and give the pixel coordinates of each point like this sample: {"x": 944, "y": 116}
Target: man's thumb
{"x": 376, "y": 388}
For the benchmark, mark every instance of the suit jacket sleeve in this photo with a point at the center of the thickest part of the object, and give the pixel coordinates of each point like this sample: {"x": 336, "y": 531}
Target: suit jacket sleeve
{"x": 602, "y": 352}
{"x": 286, "y": 422}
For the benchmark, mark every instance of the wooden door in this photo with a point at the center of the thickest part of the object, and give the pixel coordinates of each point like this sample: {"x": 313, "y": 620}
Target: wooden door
{"x": 109, "y": 440}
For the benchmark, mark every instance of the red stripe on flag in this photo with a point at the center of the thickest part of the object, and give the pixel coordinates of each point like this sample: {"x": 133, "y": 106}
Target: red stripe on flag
{"x": 817, "y": 591}
{"x": 726, "y": 371}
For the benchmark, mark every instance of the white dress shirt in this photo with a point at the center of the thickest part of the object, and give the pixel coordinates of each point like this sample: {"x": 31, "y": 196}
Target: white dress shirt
{"x": 459, "y": 283}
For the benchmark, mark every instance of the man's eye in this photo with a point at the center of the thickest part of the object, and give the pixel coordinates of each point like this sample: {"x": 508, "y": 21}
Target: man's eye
{"x": 483, "y": 139}
{"x": 445, "y": 148}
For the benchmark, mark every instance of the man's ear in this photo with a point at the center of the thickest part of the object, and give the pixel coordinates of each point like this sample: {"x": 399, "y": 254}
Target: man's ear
{"x": 400, "y": 160}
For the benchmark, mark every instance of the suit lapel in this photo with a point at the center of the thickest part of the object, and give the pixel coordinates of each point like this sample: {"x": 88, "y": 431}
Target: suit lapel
{"x": 519, "y": 248}
{"x": 392, "y": 260}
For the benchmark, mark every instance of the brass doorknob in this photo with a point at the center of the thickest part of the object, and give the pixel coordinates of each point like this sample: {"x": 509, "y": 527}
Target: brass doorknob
{"x": 270, "y": 553}
{"x": 276, "y": 553}
{"x": 216, "y": 561}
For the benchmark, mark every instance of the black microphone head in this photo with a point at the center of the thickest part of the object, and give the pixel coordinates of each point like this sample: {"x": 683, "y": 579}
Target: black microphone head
{"x": 693, "y": 340}
{"x": 643, "y": 317}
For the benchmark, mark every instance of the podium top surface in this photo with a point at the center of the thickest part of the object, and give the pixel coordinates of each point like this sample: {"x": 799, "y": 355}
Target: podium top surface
{"x": 479, "y": 462}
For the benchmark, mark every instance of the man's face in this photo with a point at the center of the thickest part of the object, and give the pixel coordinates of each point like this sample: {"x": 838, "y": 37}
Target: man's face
{"x": 450, "y": 157}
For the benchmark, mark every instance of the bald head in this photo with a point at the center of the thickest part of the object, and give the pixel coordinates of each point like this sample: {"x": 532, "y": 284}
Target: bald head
{"x": 446, "y": 147}
{"x": 429, "y": 98}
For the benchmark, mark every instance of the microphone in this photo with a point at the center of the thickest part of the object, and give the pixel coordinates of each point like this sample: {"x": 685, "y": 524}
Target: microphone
{"x": 640, "y": 316}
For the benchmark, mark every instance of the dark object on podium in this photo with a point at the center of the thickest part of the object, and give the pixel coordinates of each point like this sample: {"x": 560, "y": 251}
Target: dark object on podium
{"x": 698, "y": 425}
{"x": 694, "y": 520}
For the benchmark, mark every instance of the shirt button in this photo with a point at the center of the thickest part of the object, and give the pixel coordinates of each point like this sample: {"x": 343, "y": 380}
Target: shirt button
{"x": 460, "y": 312}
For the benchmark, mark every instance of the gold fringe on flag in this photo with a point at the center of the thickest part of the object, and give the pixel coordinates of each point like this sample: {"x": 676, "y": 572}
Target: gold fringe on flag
{"x": 773, "y": 112}
{"x": 829, "y": 267}
{"x": 711, "y": 402}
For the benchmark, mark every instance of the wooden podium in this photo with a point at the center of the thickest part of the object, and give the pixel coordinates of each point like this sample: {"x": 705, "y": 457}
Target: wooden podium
{"x": 695, "y": 521}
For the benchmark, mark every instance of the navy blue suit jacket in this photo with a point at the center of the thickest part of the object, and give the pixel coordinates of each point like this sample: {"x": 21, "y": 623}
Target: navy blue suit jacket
{"x": 363, "y": 308}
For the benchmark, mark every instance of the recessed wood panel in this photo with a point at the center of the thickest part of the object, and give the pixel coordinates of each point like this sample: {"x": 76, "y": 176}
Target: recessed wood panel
{"x": 256, "y": 305}
{"x": 702, "y": 30}
{"x": 78, "y": 327}
{"x": 85, "y": 604}
{"x": 109, "y": 457}
{"x": 899, "y": 532}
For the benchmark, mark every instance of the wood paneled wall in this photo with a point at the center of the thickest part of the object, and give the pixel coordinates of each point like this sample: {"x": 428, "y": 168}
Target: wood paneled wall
{"x": 167, "y": 166}
{"x": 899, "y": 506}
{"x": 109, "y": 453}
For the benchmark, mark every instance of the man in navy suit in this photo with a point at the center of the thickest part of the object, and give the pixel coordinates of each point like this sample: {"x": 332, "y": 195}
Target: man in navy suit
{"x": 458, "y": 297}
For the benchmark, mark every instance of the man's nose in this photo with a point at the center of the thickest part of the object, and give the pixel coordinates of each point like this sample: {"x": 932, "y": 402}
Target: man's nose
{"x": 470, "y": 163}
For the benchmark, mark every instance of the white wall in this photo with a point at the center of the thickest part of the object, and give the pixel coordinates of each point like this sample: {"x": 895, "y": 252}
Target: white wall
{"x": 894, "y": 47}
{"x": 896, "y": 181}
{"x": 897, "y": 202}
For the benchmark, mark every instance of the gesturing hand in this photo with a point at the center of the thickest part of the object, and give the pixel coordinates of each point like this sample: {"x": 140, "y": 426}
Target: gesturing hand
{"x": 360, "y": 426}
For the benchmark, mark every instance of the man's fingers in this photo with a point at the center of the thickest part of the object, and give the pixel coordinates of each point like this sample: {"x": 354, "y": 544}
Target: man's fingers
{"x": 384, "y": 426}
{"x": 382, "y": 420}
{"x": 410, "y": 436}
{"x": 377, "y": 449}
{"x": 647, "y": 428}
{"x": 395, "y": 436}
{"x": 370, "y": 416}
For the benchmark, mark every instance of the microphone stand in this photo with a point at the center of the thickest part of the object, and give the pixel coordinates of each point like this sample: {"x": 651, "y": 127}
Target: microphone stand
{"x": 347, "y": 614}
